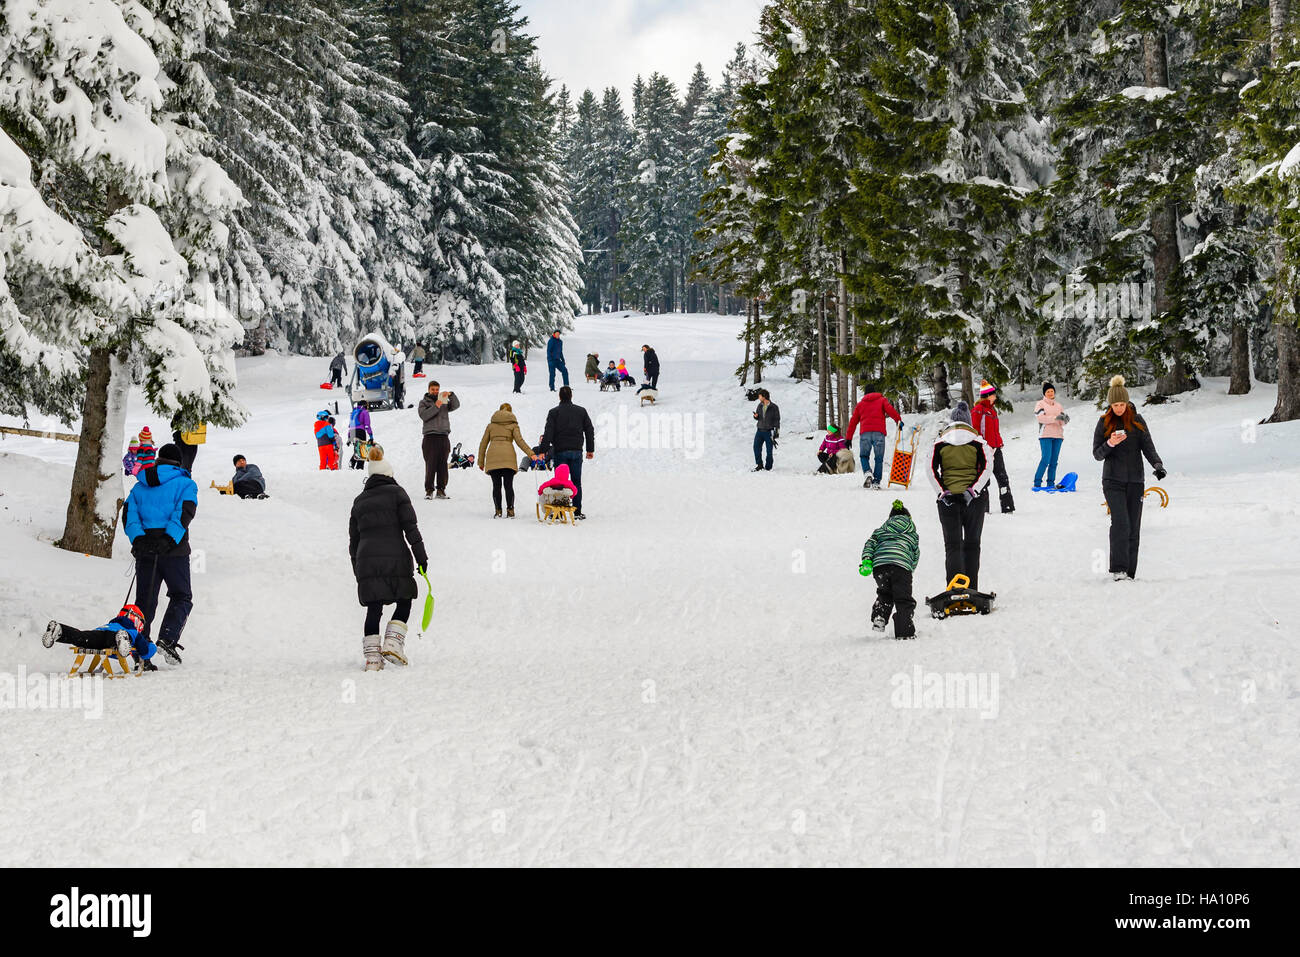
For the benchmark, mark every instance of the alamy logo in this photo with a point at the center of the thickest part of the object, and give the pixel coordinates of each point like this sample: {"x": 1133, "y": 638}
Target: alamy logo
{"x": 76, "y": 910}
{"x": 949, "y": 689}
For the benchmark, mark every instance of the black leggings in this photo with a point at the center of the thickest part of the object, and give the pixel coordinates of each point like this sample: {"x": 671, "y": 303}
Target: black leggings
{"x": 375, "y": 611}
{"x": 504, "y": 477}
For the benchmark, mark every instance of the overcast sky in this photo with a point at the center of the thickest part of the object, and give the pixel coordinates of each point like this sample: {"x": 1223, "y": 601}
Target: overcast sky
{"x": 600, "y": 43}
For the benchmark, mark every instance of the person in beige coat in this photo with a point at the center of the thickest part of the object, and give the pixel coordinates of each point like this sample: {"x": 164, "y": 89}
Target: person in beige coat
{"x": 496, "y": 455}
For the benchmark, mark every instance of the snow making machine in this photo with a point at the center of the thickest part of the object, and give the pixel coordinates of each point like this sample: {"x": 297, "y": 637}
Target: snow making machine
{"x": 378, "y": 374}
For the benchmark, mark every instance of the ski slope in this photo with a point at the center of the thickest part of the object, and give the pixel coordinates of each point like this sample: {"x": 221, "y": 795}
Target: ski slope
{"x": 690, "y": 676}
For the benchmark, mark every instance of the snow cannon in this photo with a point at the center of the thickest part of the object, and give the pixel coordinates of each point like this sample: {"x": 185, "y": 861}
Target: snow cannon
{"x": 378, "y": 374}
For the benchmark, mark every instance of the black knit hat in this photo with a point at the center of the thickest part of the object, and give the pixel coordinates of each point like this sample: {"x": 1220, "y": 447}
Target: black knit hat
{"x": 235, "y": 460}
{"x": 169, "y": 454}
{"x": 1046, "y": 386}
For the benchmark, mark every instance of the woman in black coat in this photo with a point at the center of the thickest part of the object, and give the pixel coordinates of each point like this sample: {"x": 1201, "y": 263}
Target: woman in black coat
{"x": 382, "y": 525}
{"x": 1120, "y": 440}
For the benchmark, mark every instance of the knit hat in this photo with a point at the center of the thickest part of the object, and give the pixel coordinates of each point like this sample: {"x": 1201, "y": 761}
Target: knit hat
{"x": 1117, "y": 391}
{"x": 1046, "y": 386}
{"x": 833, "y": 429}
{"x": 961, "y": 413}
{"x": 235, "y": 460}
{"x": 168, "y": 455}
{"x": 987, "y": 389}
{"x": 516, "y": 344}
{"x": 323, "y": 415}
{"x": 376, "y": 464}
{"x": 898, "y": 508}
{"x": 146, "y": 437}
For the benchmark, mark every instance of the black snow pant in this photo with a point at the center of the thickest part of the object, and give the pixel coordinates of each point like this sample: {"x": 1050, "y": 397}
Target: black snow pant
{"x": 436, "y": 449}
{"x": 188, "y": 452}
{"x": 519, "y": 381}
{"x": 503, "y": 477}
{"x": 1125, "y": 501}
{"x": 336, "y": 377}
{"x": 151, "y": 573}
{"x": 375, "y": 612}
{"x": 94, "y": 640}
{"x": 828, "y": 463}
{"x": 894, "y": 591}
{"x": 1004, "y": 485}
{"x": 962, "y": 525}
{"x": 248, "y": 489}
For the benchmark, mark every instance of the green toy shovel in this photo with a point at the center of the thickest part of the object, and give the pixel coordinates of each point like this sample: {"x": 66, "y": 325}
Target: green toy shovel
{"x": 428, "y": 604}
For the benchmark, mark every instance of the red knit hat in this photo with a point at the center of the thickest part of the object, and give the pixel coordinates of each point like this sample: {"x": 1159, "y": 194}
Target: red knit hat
{"x": 146, "y": 437}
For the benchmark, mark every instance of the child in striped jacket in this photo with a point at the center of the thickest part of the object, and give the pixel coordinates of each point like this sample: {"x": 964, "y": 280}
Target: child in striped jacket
{"x": 890, "y": 556}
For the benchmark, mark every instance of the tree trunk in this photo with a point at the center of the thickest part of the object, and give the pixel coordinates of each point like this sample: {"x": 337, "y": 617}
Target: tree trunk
{"x": 1164, "y": 232}
{"x": 823, "y": 369}
{"x": 939, "y": 384}
{"x": 842, "y": 337}
{"x": 1287, "y": 408}
{"x": 744, "y": 369}
{"x": 968, "y": 384}
{"x": 1240, "y": 384}
{"x": 758, "y": 341}
{"x": 96, "y": 496}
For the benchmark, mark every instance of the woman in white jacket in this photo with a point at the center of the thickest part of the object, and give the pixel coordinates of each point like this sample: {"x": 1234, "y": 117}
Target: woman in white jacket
{"x": 1051, "y": 433}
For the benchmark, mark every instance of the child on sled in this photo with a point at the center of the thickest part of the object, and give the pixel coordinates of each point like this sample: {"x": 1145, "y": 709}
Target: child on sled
{"x": 121, "y": 635}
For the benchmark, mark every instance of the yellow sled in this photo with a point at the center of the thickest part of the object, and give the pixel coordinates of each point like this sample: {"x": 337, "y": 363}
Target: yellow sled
{"x": 101, "y": 663}
{"x": 556, "y": 514}
{"x": 227, "y": 489}
{"x": 1157, "y": 490}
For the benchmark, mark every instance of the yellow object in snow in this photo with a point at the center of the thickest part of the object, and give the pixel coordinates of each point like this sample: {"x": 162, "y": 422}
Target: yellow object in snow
{"x": 198, "y": 437}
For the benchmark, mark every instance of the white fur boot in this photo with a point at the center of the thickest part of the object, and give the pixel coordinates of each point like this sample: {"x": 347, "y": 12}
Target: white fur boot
{"x": 374, "y": 659}
{"x": 395, "y": 642}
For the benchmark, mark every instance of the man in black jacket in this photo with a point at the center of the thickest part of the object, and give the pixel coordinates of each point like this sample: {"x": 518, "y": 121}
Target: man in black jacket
{"x": 651, "y": 367}
{"x": 567, "y": 426}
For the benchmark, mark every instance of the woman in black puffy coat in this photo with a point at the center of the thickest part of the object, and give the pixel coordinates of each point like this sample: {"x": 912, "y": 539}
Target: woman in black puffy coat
{"x": 381, "y": 528}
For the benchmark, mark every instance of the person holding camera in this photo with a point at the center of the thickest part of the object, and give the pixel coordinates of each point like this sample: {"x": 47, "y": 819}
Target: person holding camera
{"x": 435, "y": 409}
{"x": 1120, "y": 441}
{"x": 768, "y": 419}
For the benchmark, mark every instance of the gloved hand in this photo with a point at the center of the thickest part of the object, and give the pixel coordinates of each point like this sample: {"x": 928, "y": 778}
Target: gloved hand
{"x": 865, "y": 568}
{"x": 422, "y": 569}
{"x": 968, "y": 496}
{"x": 1161, "y": 473}
{"x": 1063, "y": 418}
{"x": 945, "y": 497}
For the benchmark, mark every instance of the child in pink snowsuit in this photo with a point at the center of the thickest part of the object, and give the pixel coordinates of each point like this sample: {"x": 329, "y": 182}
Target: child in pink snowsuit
{"x": 831, "y": 446}
{"x": 558, "y": 489}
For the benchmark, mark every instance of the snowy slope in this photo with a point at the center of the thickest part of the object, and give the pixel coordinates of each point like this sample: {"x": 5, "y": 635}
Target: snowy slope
{"x": 689, "y": 677}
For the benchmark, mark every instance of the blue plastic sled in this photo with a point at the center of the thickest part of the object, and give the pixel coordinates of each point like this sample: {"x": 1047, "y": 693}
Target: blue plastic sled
{"x": 1067, "y": 484}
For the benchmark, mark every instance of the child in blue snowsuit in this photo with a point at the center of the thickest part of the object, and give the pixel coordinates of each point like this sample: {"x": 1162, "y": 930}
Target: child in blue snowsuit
{"x": 122, "y": 635}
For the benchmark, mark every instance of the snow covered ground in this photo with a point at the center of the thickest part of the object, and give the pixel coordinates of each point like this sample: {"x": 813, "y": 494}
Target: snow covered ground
{"x": 689, "y": 677}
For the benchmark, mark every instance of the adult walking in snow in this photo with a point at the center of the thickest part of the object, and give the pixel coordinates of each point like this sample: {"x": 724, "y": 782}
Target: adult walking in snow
{"x": 555, "y": 359}
{"x": 338, "y": 369}
{"x": 417, "y": 355}
{"x": 382, "y": 535}
{"x": 870, "y": 413}
{"x": 568, "y": 427}
{"x": 1120, "y": 441}
{"x": 247, "y": 480}
{"x": 960, "y": 464}
{"x": 651, "y": 367}
{"x": 156, "y": 518}
{"x": 360, "y": 433}
{"x": 518, "y": 365}
{"x": 496, "y": 455}
{"x": 767, "y": 418}
{"x": 1052, "y": 421}
{"x": 435, "y": 412}
{"x": 984, "y": 417}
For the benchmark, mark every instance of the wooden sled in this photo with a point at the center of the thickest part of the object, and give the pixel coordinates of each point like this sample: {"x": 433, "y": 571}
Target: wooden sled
{"x": 101, "y": 663}
{"x": 556, "y": 514}
{"x": 593, "y": 378}
{"x": 227, "y": 489}
{"x": 648, "y": 397}
{"x": 900, "y": 466}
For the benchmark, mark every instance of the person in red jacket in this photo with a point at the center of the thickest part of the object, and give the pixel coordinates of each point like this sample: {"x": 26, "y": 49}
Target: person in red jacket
{"x": 870, "y": 414}
{"x": 329, "y": 454}
{"x": 984, "y": 417}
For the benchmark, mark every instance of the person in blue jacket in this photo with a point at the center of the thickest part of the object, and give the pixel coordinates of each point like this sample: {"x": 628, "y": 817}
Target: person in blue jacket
{"x": 122, "y": 635}
{"x": 555, "y": 358}
{"x": 156, "y": 518}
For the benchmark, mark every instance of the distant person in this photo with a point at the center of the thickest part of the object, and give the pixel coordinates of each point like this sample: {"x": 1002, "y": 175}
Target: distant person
{"x": 611, "y": 376}
{"x": 555, "y": 358}
{"x": 568, "y": 426}
{"x": 870, "y": 413}
{"x": 651, "y": 361}
{"x": 624, "y": 377}
{"x": 984, "y": 417}
{"x": 1052, "y": 421}
{"x": 593, "y": 367}
{"x": 518, "y": 365}
{"x": 829, "y": 452}
{"x": 496, "y": 455}
{"x": 247, "y": 480}
{"x": 156, "y": 518}
{"x": 768, "y": 419}
{"x": 417, "y": 355}
{"x": 338, "y": 369}
{"x": 360, "y": 434}
{"x": 141, "y": 454}
{"x": 326, "y": 441}
{"x": 382, "y": 535}
{"x": 435, "y": 412}
{"x": 1121, "y": 440}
